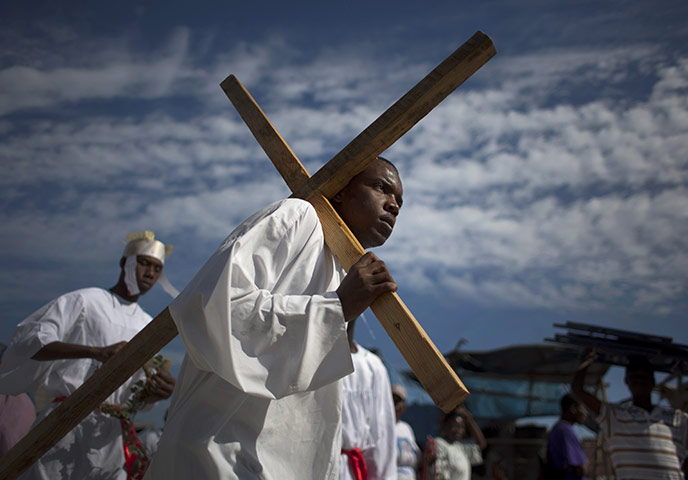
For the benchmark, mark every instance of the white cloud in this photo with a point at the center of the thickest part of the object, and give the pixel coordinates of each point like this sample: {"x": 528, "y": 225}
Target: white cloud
{"x": 514, "y": 194}
{"x": 109, "y": 74}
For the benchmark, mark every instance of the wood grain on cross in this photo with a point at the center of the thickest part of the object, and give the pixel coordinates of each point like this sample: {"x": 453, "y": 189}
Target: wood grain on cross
{"x": 423, "y": 357}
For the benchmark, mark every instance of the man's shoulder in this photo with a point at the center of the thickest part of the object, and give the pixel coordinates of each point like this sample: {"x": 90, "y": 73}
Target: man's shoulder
{"x": 279, "y": 217}
{"x": 92, "y": 292}
{"x": 561, "y": 427}
{"x": 84, "y": 294}
{"x": 403, "y": 429}
{"x": 292, "y": 208}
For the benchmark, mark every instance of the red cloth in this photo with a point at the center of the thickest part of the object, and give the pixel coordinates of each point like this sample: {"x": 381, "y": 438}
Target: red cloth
{"x": 429, "y": 457}
{"x": 135, "y": 459}
{"x": 356, "y": 463}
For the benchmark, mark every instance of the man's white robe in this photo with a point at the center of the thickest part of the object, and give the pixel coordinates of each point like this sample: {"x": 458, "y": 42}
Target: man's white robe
{"x": 258, "y": 393}
{"x": 368, "y": 417}
{"x": 94, "y": 317}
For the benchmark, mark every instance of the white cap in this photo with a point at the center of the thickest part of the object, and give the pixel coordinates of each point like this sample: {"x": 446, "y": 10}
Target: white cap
{"x": 399, "y": 390}
{"x": 144, "y": 243}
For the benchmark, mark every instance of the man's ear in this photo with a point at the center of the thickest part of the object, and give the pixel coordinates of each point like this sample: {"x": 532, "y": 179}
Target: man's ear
{"x": 337, "y": 197}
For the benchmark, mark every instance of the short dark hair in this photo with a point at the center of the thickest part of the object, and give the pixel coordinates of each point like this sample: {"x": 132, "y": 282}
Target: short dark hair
{"x": 388, "y": 162}
{"x": 566, "y": 402}
{"x": 451, "y": 415}
{"x": 637, "y": 362}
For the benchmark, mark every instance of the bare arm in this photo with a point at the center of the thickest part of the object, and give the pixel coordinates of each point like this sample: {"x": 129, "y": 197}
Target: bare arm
{"x": 473, "y": 429}
{"x": 578, "y": 384}
{"x": 62, "y": 350}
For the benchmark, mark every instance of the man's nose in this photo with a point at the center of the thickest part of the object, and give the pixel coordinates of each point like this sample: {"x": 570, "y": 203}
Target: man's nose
{"x": 392, "y": 206}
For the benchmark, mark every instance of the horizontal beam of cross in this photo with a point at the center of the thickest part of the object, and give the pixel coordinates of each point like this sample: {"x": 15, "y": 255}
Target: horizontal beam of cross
{"x": 400, "y": 117}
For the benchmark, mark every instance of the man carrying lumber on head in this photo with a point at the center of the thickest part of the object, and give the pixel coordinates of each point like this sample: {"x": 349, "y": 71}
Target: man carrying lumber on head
{"x": 265, "y": 327}
{"x": 54, "y": 350}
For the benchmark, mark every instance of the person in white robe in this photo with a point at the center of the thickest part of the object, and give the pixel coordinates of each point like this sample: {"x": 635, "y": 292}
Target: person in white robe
{"x": 55, "y": 349}
{"x": 264, "y": 325}
{"x": 408, "y": 452}
{"x": 368, "y": 438}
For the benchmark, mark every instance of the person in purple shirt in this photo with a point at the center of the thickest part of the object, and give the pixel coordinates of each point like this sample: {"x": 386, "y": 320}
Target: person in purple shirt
{"x": 565, "y": 457}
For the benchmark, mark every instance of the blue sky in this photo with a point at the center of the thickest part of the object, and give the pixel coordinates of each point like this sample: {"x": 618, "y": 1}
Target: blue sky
{"x": 551, "y": 186}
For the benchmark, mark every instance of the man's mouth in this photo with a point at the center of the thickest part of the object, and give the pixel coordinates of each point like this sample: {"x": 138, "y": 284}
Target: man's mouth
{"x": 389, "y": 220}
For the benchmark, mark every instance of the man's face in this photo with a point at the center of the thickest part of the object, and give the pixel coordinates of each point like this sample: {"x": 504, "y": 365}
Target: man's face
{"x": 640, "y": 382}
{"x": 148, "y": 269}
{"x": 580, "y": 413}
{"x": 454, "y": 428}
{"x": 399, "y": 406}
{"x": 370, "y": 203}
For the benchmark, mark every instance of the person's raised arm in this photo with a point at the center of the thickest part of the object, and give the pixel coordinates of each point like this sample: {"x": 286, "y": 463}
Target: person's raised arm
{"x": 578, "y": 385}
{"x": 365, "y": 281}
{"x": 62, "y": 350}
{"x": 472, "y": 428}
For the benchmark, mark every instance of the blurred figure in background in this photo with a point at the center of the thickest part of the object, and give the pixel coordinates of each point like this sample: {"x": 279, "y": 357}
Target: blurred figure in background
{"x": 565, "y": 456}
{"x": 452, "y": 454}
{"x": 646, "y": 441}
{"x": 368, "y": 440}
{"x": 17, "y": 414}
{"x": 408, "y": 452}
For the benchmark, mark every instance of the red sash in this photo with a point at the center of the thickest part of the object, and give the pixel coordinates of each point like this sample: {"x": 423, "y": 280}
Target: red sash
{"x": 135, "y": 459}
{"x": 357, "y": 463}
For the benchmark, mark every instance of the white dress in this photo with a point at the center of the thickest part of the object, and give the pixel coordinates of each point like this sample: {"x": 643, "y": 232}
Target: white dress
{"x": 408, "y": 452}
{"x": 368, "y": 417}
{"x": 90, "y": 316}
{"x": 454, "y": 460}
{"x": 258, "y": 393}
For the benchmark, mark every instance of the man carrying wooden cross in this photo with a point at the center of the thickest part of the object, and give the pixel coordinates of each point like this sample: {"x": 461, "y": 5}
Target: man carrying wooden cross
{"x": 264, "y": 324}
{"x": 427, "y": 363}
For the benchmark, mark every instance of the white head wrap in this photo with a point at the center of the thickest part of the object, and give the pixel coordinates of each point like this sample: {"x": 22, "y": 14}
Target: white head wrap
{"x": 144, "y": 243}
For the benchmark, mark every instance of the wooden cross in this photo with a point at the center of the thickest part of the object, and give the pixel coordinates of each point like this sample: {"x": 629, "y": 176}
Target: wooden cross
{"x": 427, "y": 363}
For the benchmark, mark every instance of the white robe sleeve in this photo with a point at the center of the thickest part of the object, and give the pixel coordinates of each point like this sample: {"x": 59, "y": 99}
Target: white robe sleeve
{"x": 238, "y": 319}
{"x": 18, "y": 372}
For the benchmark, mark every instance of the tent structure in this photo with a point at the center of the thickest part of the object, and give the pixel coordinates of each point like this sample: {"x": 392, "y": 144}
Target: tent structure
{"x": 522, "y": 381}
{"x": 506, "y": 384}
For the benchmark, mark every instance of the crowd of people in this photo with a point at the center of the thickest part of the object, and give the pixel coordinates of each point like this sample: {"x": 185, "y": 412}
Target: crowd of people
{"x": 273, "y": 384}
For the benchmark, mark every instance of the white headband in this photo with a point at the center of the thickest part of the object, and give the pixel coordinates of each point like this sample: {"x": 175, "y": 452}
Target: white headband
{"x": 144, "y": 243}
